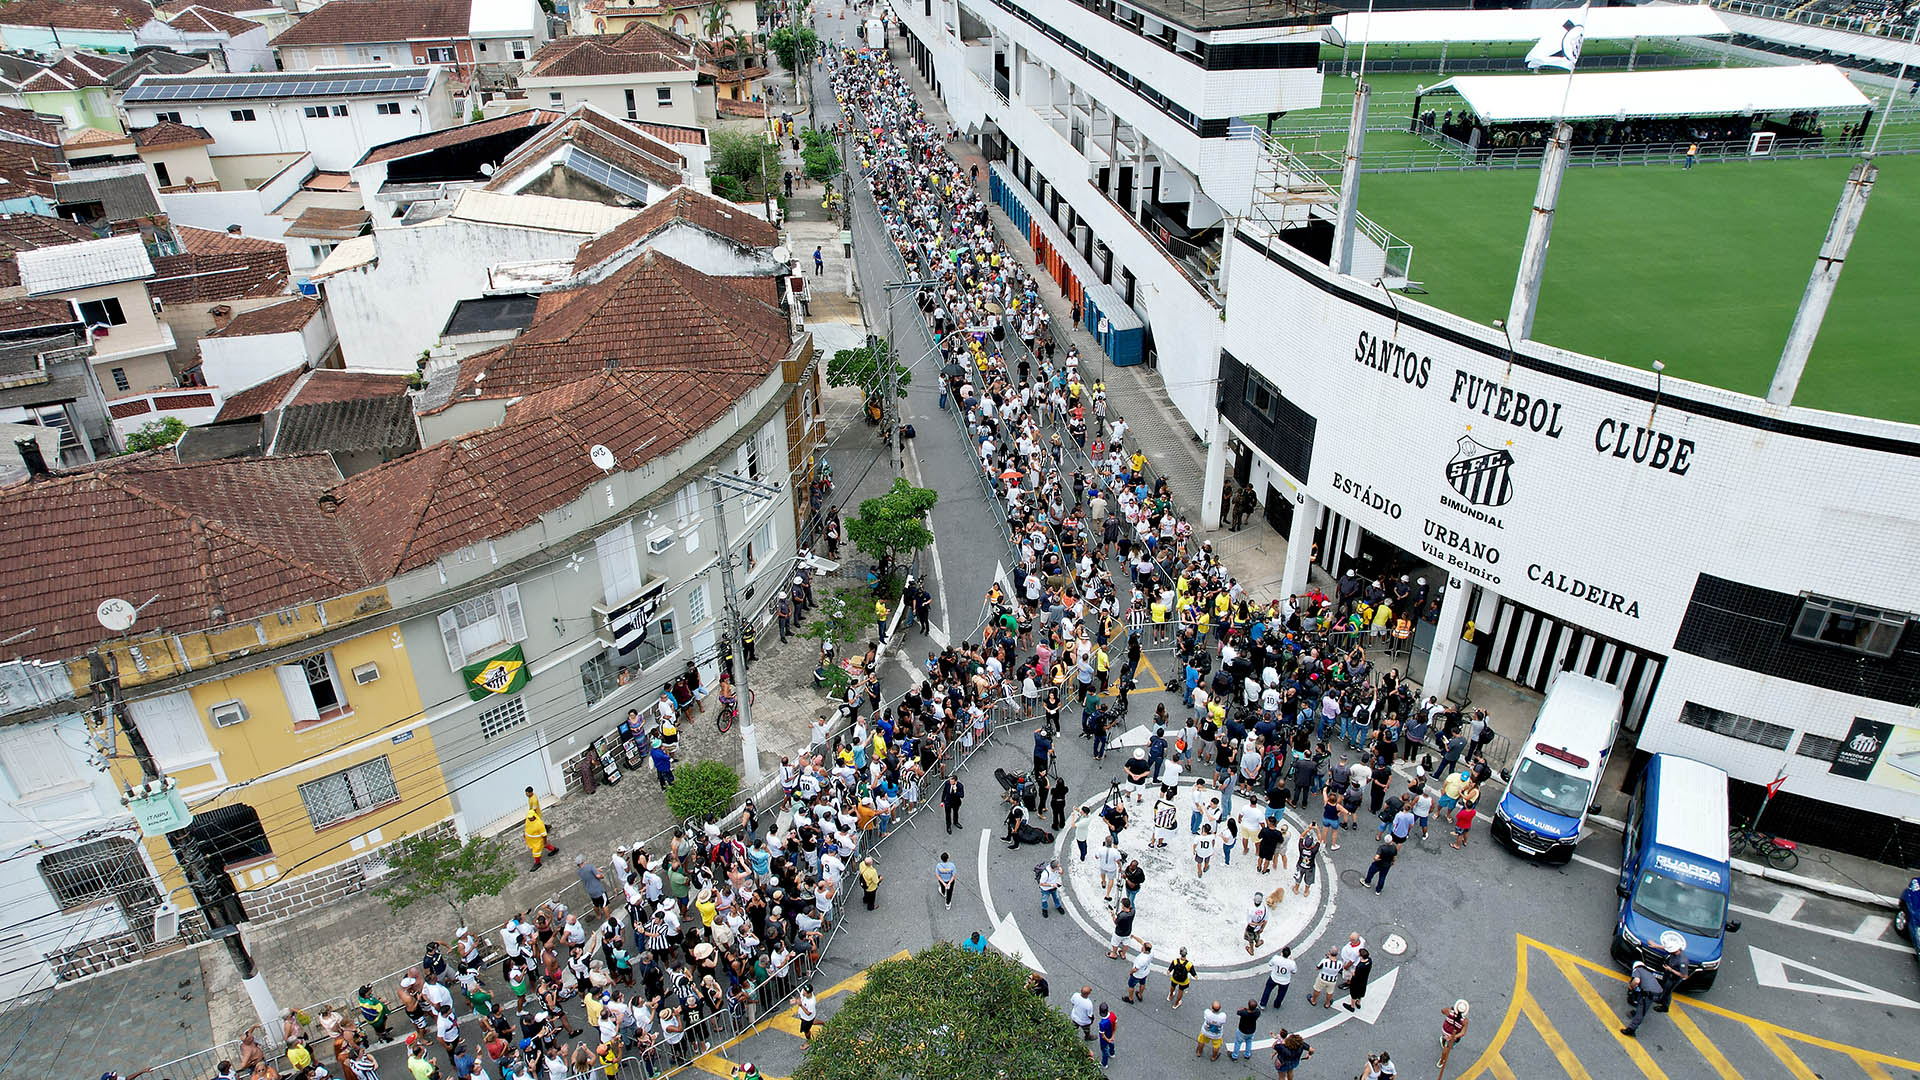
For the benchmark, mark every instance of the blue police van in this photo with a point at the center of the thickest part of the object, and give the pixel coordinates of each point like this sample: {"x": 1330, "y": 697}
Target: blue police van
{"x": 1676, "y": 880}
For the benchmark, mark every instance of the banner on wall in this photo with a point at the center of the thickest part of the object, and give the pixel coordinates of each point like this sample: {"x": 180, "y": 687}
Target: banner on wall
{"x": 1880, "y": 753}
{"x": 502, "y": 674}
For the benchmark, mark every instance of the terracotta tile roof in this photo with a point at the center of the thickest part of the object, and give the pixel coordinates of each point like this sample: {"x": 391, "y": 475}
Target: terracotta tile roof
{"x": 454, "y": 136}
{"x": 86, "y": 137}
{"x": 24, "y": 232}
{"x": 348, "y": 22}
{"x": 641, "y": 48}
{"x": 383, "y": 423}
{"x": 730, "y": 107}
{"x": 673, "y": 133}
{"x": 723, "y": 74}
{"x": 27, "y": 168}
{"x": 282, "y": 318}
{"x": 78, "y": 14}
{"x": 328, "y": 385}
{"x": 219, "y": 266}
{"x": 208, "y": 20}
{"x": 168, "y": 133}
{"x": 613, "y": 141}
{"x": 406, "y": 513}
{"x": 240, "y": 537}
{"x": 715, "y": 215}
{"x": 27, "y": 124}
{"x": 653, "y": 314}
{"x": 330, "y": 223}
{"x": 28, "y": 314}
{"x": 231, "y": 7}
{"x": 71, "y": 72}
{"x": 260, "y": 399}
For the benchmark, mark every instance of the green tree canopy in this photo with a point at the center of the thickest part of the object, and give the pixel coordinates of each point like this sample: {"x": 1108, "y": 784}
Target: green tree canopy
{"x": 947, "y": 1014}
{"x": 861, "y": 367}
{"x": 155, "y": 434}
{"x": 788, "y": 46}
{"x": 894, "y": 524}
{"x": 742, "y": 162}
{"x": 439, "y": 866}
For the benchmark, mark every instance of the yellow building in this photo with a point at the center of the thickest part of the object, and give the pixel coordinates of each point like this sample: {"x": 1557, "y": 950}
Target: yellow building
{"x": 263, "y": 666}
{"x": 298, "y": 767}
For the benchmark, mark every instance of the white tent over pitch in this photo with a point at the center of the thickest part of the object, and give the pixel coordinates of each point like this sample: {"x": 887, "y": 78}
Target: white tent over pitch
{"x": 1609, "y": 95}
{"x": 1524, "y": 24}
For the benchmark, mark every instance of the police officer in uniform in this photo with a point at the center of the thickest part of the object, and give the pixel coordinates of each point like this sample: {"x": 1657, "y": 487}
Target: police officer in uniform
{"x": 1642, "y": 988}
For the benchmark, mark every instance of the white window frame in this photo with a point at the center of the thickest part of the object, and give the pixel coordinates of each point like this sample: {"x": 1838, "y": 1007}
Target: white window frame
{"x": 442, "y": 54}
{"x": 297, "y": 687}
{"x": 619, "y": 558}
{"x": 663, "y": 96}
{"x": 507, "y": 716}
{"x": 461, "y": 645}
{"x": 698, "y": 611}
{"x": 38, "y": 762}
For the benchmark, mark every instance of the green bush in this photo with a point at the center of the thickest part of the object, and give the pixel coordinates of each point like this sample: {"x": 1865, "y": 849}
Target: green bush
{"x": 947, "y": 1014}
{"x": 704, "y": 788}
{"x": 785, "y": 44}
{"x": 155, "y": 434}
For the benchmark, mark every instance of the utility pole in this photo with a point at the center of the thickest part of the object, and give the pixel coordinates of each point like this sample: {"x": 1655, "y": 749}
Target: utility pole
{"x": 891, "y": 374}
{"x": 214, "y": 895}
{"x": 735, "y": 625}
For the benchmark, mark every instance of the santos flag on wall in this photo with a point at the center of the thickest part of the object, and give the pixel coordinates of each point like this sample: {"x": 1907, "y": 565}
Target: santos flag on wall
{"x": 1559, "y": 48}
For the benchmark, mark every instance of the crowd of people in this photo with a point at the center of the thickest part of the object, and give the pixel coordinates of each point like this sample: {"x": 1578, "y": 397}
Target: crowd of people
{"x": 1105, "y": 566}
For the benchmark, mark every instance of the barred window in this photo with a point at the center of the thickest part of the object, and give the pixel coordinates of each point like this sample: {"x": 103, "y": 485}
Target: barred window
{"x": 89, "y": 872}
{"x": 349, "y": 792}
{"x": 1734, "y": 726}
{"x": 502, "y": 718}
{"x": 1819, "y": 747}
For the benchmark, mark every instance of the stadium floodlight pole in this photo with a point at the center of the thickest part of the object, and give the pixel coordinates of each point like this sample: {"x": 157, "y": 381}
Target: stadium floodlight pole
{"x": 1533, "y": 257}
{"x": 1821, "y": 284}
{"x": 1348, "y": 210}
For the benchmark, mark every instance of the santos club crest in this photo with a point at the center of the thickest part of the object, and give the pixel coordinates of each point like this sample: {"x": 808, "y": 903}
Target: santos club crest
{"x": 1481, "y": 475}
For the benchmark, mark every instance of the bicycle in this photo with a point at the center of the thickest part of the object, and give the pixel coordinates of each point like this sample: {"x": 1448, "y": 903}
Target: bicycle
{"x": 1778, "y": 853}
{"x": 729, "y": 712}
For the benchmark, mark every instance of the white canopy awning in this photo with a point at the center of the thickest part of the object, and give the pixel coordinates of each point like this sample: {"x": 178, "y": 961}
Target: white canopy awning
{"x": 1525, "y": 24}
{"x": 1607, "y": 95}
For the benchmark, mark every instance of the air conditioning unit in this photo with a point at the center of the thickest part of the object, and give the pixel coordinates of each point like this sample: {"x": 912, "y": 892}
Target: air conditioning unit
{"x": 659, "y": 541}
{"x": 365, "y": 674}
{"x": 228, "y": 713}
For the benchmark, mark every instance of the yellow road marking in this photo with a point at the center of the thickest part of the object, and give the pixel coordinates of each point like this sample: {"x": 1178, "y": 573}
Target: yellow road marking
{"x": 1579, "y": 972}
{"x": 783, "y": 1021}
{"x": 1609, "y": 1019}
{"x": 1772, "y": 1041}
{"x": 1159, "y": 683}
{"x": 1703, "y": 1045}
{"x": 1555, "y": 1042}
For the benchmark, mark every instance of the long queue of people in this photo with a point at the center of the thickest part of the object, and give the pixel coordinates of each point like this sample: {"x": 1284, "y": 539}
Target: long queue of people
{"x": 1104, "y": 565}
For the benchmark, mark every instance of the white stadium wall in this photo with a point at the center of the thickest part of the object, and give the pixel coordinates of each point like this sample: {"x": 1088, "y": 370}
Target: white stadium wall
{"x": 1557, "y": 481}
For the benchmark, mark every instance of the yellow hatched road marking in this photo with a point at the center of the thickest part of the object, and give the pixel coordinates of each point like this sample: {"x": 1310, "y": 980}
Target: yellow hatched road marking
{"x": 1704, "y": 1046}
{"x": 1608, "y": 1019}
{"x": 1772, "y": 1041}
{"x": 784, "y": 1021}
{"x": 1555, "y": 1041}
{"x": 1579, "y": 973}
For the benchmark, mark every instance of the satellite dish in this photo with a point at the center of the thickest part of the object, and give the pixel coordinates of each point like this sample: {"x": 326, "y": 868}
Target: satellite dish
{"x": 602, "y": 457}
{"x": 783, "y": 253}
{"x": 486, "y": 169}
{"x": 116, "y": 615}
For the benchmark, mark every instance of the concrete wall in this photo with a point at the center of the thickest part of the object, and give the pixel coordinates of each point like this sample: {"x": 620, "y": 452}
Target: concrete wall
{"x": 233, "y": 364}
{"x": 281, "y": 126}
{"x": 608, "y": 94}
{"x": 390, "y": 310}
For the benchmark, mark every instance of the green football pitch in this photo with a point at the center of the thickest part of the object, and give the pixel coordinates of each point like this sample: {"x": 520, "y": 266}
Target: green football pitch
{"x": 1701, "y": 269}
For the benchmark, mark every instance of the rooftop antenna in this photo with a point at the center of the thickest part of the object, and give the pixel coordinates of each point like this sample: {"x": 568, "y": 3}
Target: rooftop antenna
{"x": 602, "y": 458}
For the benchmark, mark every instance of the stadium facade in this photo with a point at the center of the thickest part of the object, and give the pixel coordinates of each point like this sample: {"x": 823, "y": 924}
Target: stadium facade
{"x": 1746, "y": 572}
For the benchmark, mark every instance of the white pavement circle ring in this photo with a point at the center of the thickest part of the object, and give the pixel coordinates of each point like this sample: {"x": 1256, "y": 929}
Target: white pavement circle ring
{"x": 1205, "y": 915}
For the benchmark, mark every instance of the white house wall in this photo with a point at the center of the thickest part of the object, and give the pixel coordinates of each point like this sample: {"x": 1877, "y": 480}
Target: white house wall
{"x": 281, "y": 126}
{"x": 388, "y": 312}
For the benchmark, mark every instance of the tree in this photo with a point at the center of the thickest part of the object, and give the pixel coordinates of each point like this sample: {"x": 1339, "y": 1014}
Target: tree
{"x": 155, "y": 434}
{"x": 789, "y": 46}
{"x": 836, "y": 626}
{"x": 704, "y": 788}
{"x": 861, "y": 367}
{"x": 947, "y": 1014}
{"x": 742, "y": 162}
{"x": 439, "y": 866}
{"x": 818, "y": 155}
{"x": 716, "y": 20}
{"x": 894, "y": 524}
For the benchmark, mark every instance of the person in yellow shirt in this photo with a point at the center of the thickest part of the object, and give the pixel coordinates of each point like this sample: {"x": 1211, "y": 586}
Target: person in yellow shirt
{"x": 1158, "y": 612}
{"x": 1139, "y": 463}
{"x": 880, "y": 618}
{"x": 1100, "y": 665}
{"x": 536, "y": 836}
